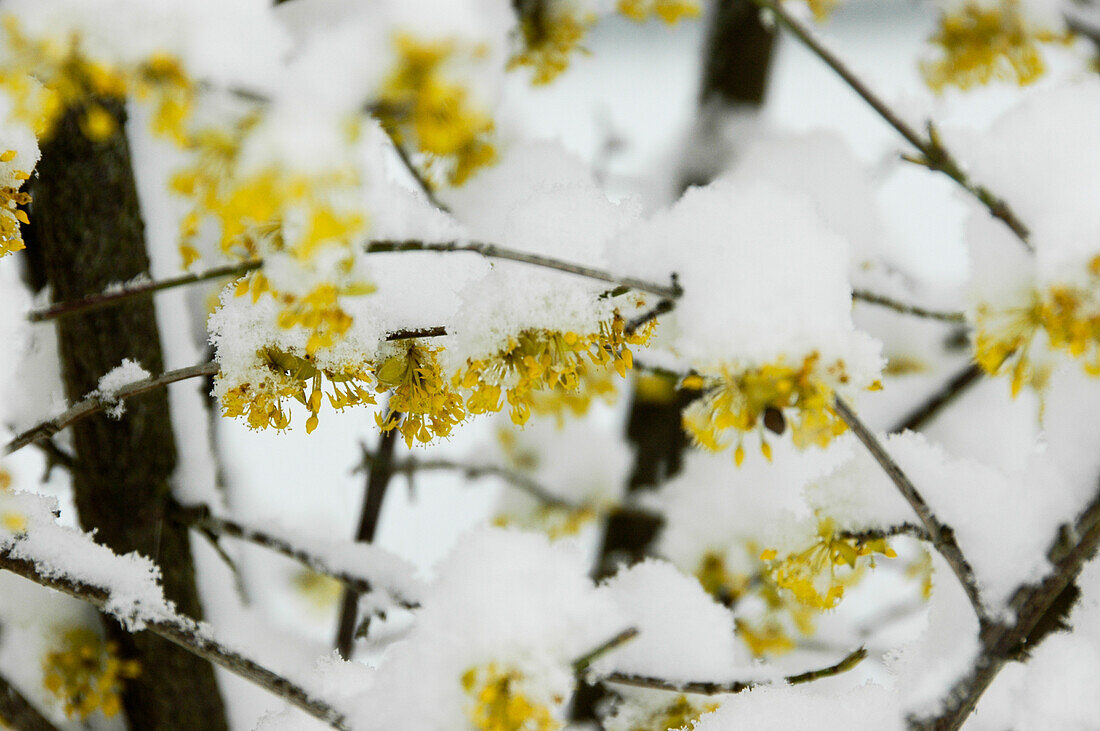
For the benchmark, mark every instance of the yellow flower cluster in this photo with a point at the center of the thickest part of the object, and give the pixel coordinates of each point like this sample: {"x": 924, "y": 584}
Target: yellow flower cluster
{"x": 321, "y": 591}
{"x": 86, "y": 674}
{"x": 556, "y": 521}
{"x": 10, "y": 520}
{"x": 811, "y": 575}
{"x": 421, "y": 405}
{"x": 418, "y": 104}
{"x": 981, "y": 42}
{"x": 670, "y": 11}
{"x": 499, "y": 703}
{"x": 1069, "y": 316}
{"x": 287, "y": 376}
{"x": 11, "y": 239}
{"x": 543, "y": 361}
{"x": 45, "y": 77}
{"x": 551, "y": 32}
{"x": 679, "y": 715}
{"x": 769, "y": 397}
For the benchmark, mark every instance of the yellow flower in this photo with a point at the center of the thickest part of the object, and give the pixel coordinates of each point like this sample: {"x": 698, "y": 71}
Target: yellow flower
{"x": 86, "y": 674}
{"x": 681, "y": 713}
{"x": 499, "y": 703}
{"x": 539, "y": 362}
{"x": 11, "y": 238}
{"x": 811, "y": 575}
{"x": 670, "y": 11}
{"x": 556, "y": 521}
{"x": 980, "y": 42}
{"x": 736, "y": 401}
{"x": 419, "y": 104}
{"x": 421, "y": 404}
{"x": 551, "y": 32}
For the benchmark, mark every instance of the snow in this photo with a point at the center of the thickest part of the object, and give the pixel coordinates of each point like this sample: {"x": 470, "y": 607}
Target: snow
{"x": 122, "y": 375}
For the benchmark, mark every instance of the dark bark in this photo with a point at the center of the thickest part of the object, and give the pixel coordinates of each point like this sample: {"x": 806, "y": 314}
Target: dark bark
{"x": 736, "y": 63}
{"x": 16, "y": 711}
{"x": 379, "y": 474}
{"x": 88, "y": 234}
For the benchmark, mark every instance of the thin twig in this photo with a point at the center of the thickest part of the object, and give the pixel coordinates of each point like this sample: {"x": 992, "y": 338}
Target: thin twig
{"x": 95, "y": 404}
{"x": 958, "y": 384}
{"x": 421, "y": 182}
{"x": 873, "y": 534}
{"x": 934, "y": 155}
{"x": 939, "y": 535}
{"x": 1002, "y": 643}
{"x": 661, "y": 308}
{"x": 491, "y": 251}
{"x": 200, "y": 517}
{"x": 411, "y": 465}
{"x": 583, "y": 662}
{"x": 184, "y": 632}
{"x": 140, "y": 289}
{"x": 863, "y": 295}
{"x": 706, "y": 687}
{"x": 19, "y": 713}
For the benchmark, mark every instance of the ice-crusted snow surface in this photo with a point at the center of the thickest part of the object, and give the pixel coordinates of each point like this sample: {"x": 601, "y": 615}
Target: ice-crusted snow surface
{"x": 503, "y": 598}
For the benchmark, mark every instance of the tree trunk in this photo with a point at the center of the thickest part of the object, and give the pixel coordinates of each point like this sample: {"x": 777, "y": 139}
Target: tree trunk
{"x": 89, "y": 233}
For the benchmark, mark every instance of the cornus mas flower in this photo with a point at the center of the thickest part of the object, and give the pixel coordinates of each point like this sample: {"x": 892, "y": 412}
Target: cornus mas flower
{"x": 550, "y": 33}
{"x": 421, "y": 406}
{"x": 982, "y": 40}
{"x": 86, "y": 674}
{"x": 11, "y": 180}
{"x": 420, "y": 105}
{"x": 12, "y": 520}
{"x": 670, "y": 11}
{"x": 768, "y": 398}
{"x": 501, "y": 703}
{"x": 539, "y": 361}
{"x": 811, "y": 575}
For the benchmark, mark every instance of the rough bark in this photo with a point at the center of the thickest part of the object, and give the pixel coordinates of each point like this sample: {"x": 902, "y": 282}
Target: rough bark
{"x": 88, "y": 234}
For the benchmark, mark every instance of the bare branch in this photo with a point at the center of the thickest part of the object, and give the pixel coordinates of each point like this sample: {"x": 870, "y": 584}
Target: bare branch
{"x": 939, "y": 535}
{"x": 955, "y": 387}
{"x": 934, "y": 155}
{"x": 141, "y": 289}
{"x": 1001, "y": 643}
{"x": 95, "y": 404}
{"x": 584, "y": 661}
{"x": 862, "y": 295}
{"x": 491, "y": 251}
{"x": 184, "y": 632}
{"x": 200, "y": 517}
{"x": 705, "y": 687}
{"x": 902, "y": 529}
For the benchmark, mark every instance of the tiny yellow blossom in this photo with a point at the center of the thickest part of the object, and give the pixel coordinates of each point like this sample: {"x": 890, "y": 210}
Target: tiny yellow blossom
{"x": 499, "y": 703}
{"x": 11, "y": 180}
{"x": 322, "y": 592}
{"x": 556, "y": 521}
{"x": 670, "y": 11}
{"x": 551, "y": 33}
{"x": 86, "y": 674}
{"x": 548, "y": 362}
{"x": 811, "y": 575}
{"x": 679, "y": 715}
{"x": 421, "y": 405}
{"x": 981, "y": 41}
{"x": 771, "y": 397}
{"x": 421, "y": 105}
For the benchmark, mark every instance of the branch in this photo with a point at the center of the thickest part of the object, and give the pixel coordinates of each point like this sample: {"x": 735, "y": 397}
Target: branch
{"x": 902, "y": 529}
{"x": 491, "y": 251}
{"x": 863, "y": 295}
{"x": 1031, "y": 604}
{"x": 200, "y": 517}
{"x": 142, "y": 289}
{"x": 583, "y": 662}
{"x": 704, "y": 687}
{"x": 957, "y": 386}
{"x": 939, "y": 535}
{"x": 933, "y": 153}
{"x": 95, "y": 404}
{"x": 410, "y": 465}
{"x": 18, "y": 713}
{"x": 184, "y": 632}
